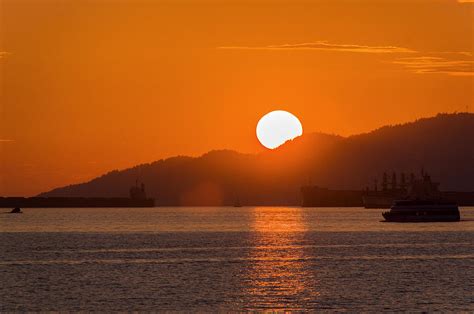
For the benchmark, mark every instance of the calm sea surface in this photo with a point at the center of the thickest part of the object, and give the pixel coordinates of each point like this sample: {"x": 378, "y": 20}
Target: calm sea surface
{"x": 250, "y": 258}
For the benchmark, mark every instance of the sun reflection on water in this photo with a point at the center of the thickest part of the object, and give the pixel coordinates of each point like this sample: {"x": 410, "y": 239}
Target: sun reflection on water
{"x": 278, "y": 273}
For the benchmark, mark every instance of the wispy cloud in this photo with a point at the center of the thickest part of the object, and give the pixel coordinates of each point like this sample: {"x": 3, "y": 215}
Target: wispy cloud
{"x": 466, "y": 1}
{"x": 427, "y": 65}
{"x": 3, "y": 54}
{"x": 459, "y": 63}
{"x": 326, "y": 46}
{"x": 6, "y": 140}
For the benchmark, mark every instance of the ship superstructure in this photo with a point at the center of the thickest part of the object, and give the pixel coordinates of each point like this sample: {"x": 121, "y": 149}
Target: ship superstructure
{"x": 389, "y": 191}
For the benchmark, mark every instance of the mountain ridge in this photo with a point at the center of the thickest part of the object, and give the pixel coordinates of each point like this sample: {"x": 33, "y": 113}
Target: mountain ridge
{"x": 441, "y": 144}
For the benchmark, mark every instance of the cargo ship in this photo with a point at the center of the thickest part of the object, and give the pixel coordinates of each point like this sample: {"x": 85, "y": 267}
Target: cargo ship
{"x": 137, "y": 198}
{"x": 315, "y": 196}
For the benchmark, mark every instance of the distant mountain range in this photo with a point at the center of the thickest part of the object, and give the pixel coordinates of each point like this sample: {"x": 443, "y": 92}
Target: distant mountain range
{"x": 442, "y": 145}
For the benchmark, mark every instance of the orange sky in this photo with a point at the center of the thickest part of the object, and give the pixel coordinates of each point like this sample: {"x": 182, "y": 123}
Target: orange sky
{"x": 90, "y": 86}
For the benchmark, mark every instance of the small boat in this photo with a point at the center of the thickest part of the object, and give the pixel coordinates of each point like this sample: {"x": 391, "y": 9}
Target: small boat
{"x": 423, "y": 204}
{"x": 16, "y": 210}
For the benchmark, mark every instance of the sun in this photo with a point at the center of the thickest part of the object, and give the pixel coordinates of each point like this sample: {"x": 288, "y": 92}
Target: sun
{"x": 277, "y": 127}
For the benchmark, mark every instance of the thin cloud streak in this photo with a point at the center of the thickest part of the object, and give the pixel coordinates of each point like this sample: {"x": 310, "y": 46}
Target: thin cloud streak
{"x": 433, "y": 65}
{"x": 326, "y": 46}
{"x": 6, "y": 140}
{"x": 461, "y": 53}
{"x": 3, "y": 54}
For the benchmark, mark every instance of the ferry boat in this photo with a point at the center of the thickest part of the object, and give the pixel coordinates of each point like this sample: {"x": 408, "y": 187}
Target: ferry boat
{"x": 423, "y": 204}
{"x": 422, "y": 211}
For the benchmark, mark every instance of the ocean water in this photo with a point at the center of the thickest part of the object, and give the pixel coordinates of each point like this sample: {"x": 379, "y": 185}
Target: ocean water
{"x": 249, "y": 258}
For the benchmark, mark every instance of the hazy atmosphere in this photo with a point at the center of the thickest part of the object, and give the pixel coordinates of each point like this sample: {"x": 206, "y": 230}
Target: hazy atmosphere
{"x": 92, "y": 86}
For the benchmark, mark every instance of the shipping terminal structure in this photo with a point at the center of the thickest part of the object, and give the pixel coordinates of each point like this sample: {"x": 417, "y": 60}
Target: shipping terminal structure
{"x": 381, "y": 196}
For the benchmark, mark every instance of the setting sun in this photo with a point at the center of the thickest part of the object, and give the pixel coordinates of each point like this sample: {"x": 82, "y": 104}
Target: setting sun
{"x": 277, "y": 127}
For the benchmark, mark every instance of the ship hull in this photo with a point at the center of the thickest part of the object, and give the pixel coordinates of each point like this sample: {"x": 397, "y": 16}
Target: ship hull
{"x": 64, "y": 202}
{"x": 390, "y": 217}
{"x": 377, "y": 201}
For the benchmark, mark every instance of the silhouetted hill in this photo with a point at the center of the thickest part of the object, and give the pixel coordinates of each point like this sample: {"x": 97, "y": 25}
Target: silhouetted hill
{"x": 443, "y": 145}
